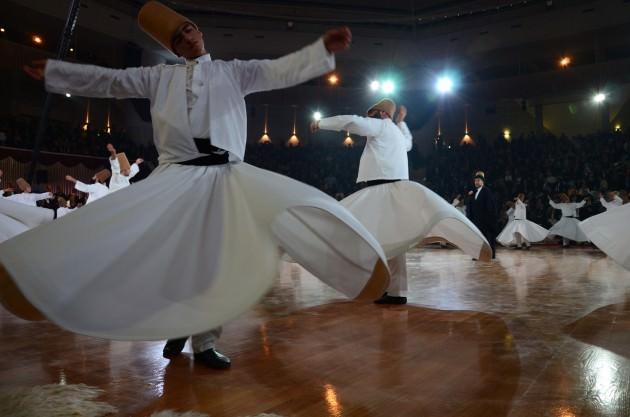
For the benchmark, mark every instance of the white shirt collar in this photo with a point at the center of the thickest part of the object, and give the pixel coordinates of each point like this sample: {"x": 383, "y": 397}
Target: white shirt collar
{"x": 203, "y": 58}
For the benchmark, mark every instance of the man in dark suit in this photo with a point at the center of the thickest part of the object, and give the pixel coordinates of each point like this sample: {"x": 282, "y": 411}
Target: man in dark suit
{"x": 482, "y": 211}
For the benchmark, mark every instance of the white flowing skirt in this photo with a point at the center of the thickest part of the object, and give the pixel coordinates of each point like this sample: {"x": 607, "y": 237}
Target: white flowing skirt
{"x": 401, "y": 214}
{"x": 16, "y": 218}
{"x": 530, "y": 231}
{"x": 610, "y": 231}
{"x": 568, "y": 227}
{"x": 186, "y": 250}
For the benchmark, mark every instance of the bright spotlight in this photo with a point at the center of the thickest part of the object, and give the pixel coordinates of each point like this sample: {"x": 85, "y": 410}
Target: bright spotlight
{"x": 333, "y": 79}
{"x": 388, "y": 87}
{"x": 37, "y": 39}
{"x": 444, "y": 85}
{"x": 68, "y": 95}
{"x": 599, "y": 98}
{"x": 565, "y": 61}
{"x": 317, "y": 116}
{"x": 375, "y": 85}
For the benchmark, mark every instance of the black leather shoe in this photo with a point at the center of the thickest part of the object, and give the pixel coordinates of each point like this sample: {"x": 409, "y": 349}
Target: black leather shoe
{"x": 390, "y": 299}
{"x": 213, "y": 359}
{"x": 174, "y": 347}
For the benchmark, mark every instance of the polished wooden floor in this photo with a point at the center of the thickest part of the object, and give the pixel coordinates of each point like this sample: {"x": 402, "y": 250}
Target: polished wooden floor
{"x": 538, "y": 333}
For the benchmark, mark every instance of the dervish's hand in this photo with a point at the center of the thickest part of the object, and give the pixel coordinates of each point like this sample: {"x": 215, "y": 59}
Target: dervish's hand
{"x": 337, "y": 40}
{"x": 37, "y": 69}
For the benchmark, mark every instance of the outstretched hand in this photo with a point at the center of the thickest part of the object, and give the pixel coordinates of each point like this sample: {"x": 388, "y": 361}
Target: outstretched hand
{"x": 402, "y": 113}
{"x": 70, "y": 178}
{"x": 337, "y": 40}
{"x": 37, "y": 69}
{"x": 139, "y": 161}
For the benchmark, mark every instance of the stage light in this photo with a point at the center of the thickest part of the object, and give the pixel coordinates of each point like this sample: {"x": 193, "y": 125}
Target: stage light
{"x": 317, "y": 116}
{"x": 444, "y": 85}
{"x": 375, "y": 85}
{"x": 333, "y": 79}
{"x": 599, "y": 98}
{"x": 71, "y": 49}
{"x": 2, "y": 30}
{"x": 388, "y": 87}
{"x": 565, "y": 61}
{"x": 68, "y": 95}
{"x": 507, "y": 135}
{"x": 37, "y": 39}
{"x": 617, "y": 128}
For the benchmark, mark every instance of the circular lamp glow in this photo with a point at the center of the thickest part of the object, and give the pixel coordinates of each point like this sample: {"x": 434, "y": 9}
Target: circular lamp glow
{"x": 444, "y": 85}
{"x": 388, "y": 87}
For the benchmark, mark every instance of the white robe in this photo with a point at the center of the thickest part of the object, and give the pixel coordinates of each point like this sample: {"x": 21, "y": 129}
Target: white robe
{"x": 95, "y": 191}
{"x": 118, "y": 180}
{"x": 29, "y": 199}
{"x": 190, "y": 247}
{"x": 610, "y": 231}
{"x": 403, "y": 213}
{"x": 385, "y": 154}
{"x": 609, "y": 205}
{"x": 568, "y": 226}
{"x": 530, "y": 231}
{"x": 17, "y": 218}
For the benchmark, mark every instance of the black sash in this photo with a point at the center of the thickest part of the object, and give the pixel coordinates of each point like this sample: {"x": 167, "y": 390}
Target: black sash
{"x": 214, "y": 155}
{"x": 378, "y": 182}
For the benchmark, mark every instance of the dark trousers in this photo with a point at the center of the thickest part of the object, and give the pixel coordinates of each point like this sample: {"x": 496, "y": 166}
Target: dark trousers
{"x": 490, "y": 236}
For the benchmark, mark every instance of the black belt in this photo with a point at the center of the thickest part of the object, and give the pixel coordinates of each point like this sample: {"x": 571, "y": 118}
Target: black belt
{"x": 378, "y": 182}
{"x": 214, "y": 155}
{"x": 570, "y": 217}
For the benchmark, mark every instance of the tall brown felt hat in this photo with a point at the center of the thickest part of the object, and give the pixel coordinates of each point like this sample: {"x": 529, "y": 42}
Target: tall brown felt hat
{"x": 386, "y": 105}
{"x": 123, "y": 161}
{"x": 23, "y": 185}
{"x": 102, "y": 175}
{"x": 161, "y": 23}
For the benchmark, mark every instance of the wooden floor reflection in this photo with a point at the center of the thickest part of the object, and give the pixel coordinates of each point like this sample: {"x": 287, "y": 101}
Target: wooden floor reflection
{"x": 538, "y": 333}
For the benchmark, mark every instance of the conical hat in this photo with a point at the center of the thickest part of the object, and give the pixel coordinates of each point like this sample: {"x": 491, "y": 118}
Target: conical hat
{"x": 23, "y": 185}
{"x": 386, "y": 105}
{"x": 161, "y": 23}
{"x": 102, "y": 175}
{"x": 123, "y": 161}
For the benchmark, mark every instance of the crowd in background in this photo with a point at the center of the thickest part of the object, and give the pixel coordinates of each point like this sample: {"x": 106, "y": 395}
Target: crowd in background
{"x": 539, "y": 166}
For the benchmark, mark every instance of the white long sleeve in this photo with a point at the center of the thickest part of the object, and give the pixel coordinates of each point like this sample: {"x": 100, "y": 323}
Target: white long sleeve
{"x": 95, "y": 191}
{"x": 287, "y": 71}
{"x": 94, "y": 81}
{"x": 134, "y": 170}
{"x": 407, "y": 134}
{"x": 362, "y": 126}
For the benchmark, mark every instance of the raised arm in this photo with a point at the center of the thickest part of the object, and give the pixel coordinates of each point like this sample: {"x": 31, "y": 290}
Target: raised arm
{"x": 363, "y": 126}
{"x": 295, "y": 68}
{"x": 134, "y": 170}
{"x": 400, "y": 122}
{"x": 93, "y": 81}
{"x": 580, "y": 204}
{"x": 554, "y": 205}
